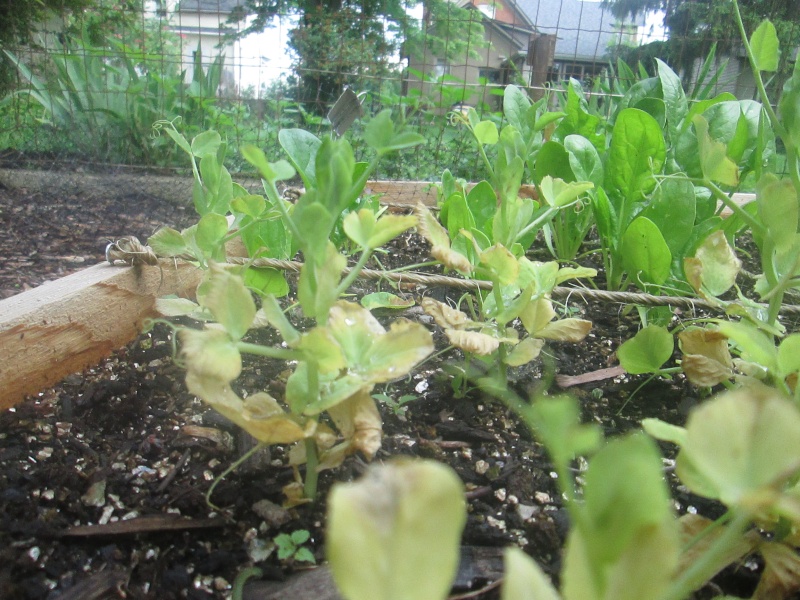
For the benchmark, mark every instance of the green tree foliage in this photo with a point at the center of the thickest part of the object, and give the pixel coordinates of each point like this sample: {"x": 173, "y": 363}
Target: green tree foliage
{"x": 447, "y": 31}
{"x": 694, "y": 26}
{"x": 340, "y": 42}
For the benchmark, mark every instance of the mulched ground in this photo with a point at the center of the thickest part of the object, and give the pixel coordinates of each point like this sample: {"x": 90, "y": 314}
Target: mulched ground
{"x": 125, "y": 449}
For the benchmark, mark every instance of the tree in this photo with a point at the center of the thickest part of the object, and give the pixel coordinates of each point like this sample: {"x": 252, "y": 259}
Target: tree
{"x": 340, "y": 42}
{"x": 694, "y": 26}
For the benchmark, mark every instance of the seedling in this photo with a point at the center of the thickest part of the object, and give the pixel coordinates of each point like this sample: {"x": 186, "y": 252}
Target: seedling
{"x": 290, "y": 546}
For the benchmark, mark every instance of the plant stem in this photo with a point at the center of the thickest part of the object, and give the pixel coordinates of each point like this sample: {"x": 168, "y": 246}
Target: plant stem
{"x": 730, "y": 204}
{"x": 268, "y": 351}
{"x": 242, "y": 577}
{"x": 762, "y": 91}
{"x": 707, "y": 565}
{"x": 538, "y": 222}
{"x": 312, "y": 461}
{"x": 235, "y": 465}
{"x": 353, "y": 274}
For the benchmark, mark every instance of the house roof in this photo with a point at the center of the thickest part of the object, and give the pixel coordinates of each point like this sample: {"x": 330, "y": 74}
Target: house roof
{"x": 583, "y": 29}
{"x": 209, "y": 6}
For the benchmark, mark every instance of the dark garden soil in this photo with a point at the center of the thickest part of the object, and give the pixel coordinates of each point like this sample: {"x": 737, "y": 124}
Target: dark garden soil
{"x": 103, "y": 478}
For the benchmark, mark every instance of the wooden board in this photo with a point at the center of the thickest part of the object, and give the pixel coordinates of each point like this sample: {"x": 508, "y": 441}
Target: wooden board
{"x": 64, "y": 326}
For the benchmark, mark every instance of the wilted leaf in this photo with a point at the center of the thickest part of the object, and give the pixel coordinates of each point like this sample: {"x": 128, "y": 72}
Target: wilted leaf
{"x": 264, "y": 419}
{"x": 359, "y": 422}
{"x": 693, "y": 531}
{"x": 744, "y": 444}
{"x": 704, "y": 371}
{"x": 707, "y": 360}
{"x": 210, "y": 353}
{"x": 708, "y": 342}
{"x": 451, "y": 259}
{"x": 472, "y": 341}
{"x": 370, "y": 351}
{"x": 396, "y": 352}
{"x": 781, "y": 577}
{"x": 445, "y": 316}
{"x": 715, "y": 266}
{"x": 397, "y": 528}
{"x": 439, "y": 239}
{"x": 565, "y": 330}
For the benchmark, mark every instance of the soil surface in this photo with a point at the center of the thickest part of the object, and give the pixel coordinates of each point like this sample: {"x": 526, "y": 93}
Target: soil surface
{"x": 103, "y": 478}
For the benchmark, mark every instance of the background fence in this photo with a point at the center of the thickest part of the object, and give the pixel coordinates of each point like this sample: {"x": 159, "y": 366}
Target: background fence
{"x": 84, "y": 85}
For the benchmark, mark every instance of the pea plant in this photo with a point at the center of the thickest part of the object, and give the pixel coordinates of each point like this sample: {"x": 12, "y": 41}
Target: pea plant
{"x": 345, "y": 352}
{"x": 521, "y": 290}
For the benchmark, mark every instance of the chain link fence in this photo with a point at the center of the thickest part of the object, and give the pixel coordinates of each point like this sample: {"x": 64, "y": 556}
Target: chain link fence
{"x": 88, "y": 87}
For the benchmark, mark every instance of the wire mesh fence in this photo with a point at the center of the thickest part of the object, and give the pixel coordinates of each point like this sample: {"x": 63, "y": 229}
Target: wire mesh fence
{"x": 86, "y": 85}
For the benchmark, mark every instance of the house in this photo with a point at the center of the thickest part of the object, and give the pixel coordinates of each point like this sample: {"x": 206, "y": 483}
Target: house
{"x": 536, "y": 42}
{"x": 509, "y": 34}
{"x": 202, "y": 26}
{"x": 584, "y": 32}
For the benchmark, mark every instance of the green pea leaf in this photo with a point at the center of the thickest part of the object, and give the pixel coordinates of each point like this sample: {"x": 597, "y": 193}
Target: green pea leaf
{"x": 167, "y": 242}
{"x": 765, "y": 46}
{"x": 647, "y": 351}
{"x": 370, "y": 232}
{"x": 385, "y": 300}
{"x": 229, "y": 301}
{"x": 206, "y": 143}
{"x": 486, "y": 133}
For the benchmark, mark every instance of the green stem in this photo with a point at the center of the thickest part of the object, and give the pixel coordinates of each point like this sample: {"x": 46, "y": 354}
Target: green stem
{"x": 708, "y": 563}
{"x": 720, "y": 195}
{"x": 430, "y": 263}
{"x": 359, "y": 185}
{"x": 777, "y": 126}
{"x": 312, "y": 476}
{"x": 269, "y": 352}
{"x": 353, "y": 274}
{"x": 538, "y": 222}
{"x": 235, "y": 465}
{"x": 242, "y": 577}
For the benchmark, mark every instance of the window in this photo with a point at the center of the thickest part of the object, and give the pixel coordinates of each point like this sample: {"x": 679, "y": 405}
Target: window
{"x": 490, "y": 75}
{"x": 441, "y": 68}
